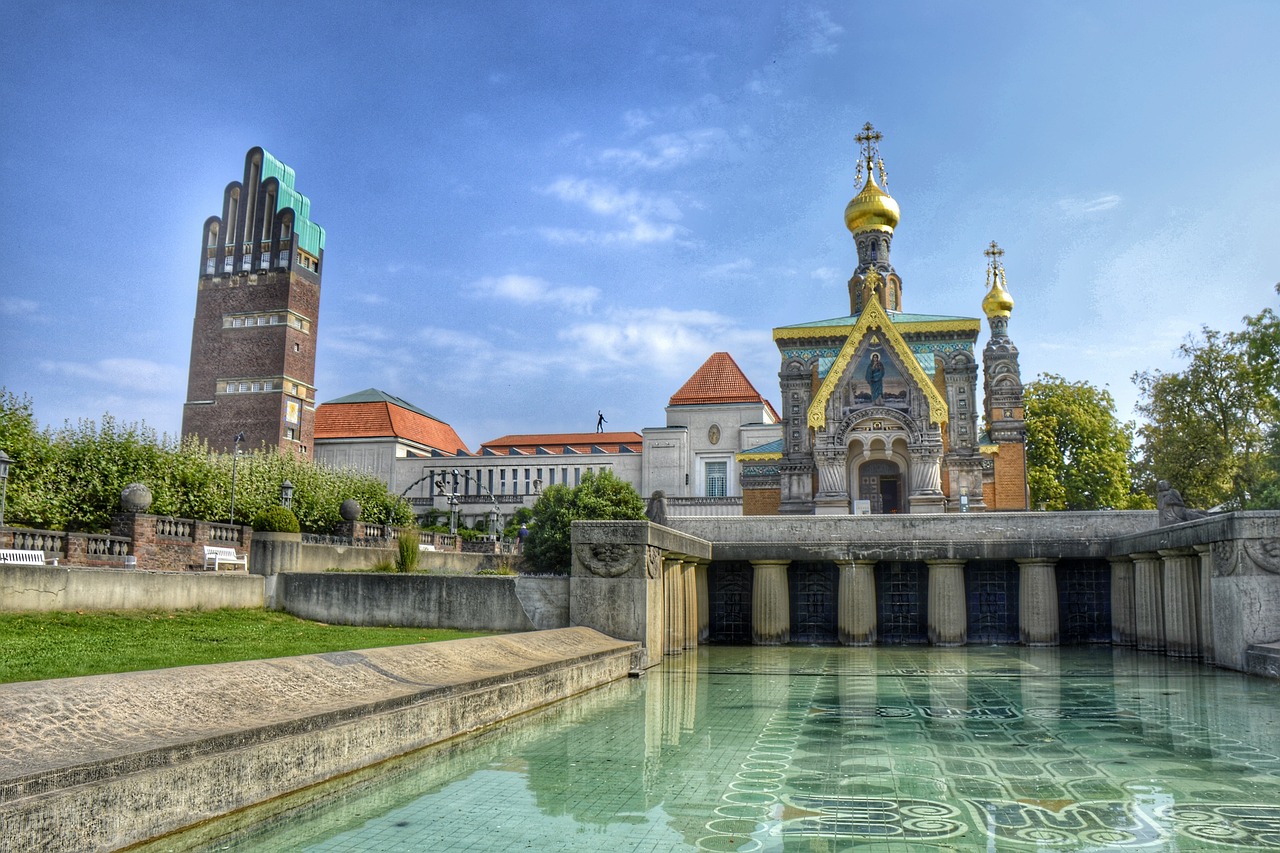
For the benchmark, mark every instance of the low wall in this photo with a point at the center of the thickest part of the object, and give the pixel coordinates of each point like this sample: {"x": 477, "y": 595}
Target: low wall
{"x": 100, "y": 763}
{"x": 59, "y": 588}
{"x": 468, "y": 603}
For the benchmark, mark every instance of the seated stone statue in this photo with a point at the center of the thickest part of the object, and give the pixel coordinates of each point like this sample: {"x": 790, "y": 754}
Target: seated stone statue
{"x": 657, "y": 509}
{"x": 1171, "y": 506}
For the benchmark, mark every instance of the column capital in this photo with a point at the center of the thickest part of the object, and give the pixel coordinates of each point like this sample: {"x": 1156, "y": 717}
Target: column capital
{"x": 1121, "y": 561}
{"x": 1029, "y": 562}
{"x": 1144, "y": 555}
{"x": 946, "y": 564}
{"x": 766, "y": 564}
{"x": 856, "y": 563}
{"x": 1176, "y": 552}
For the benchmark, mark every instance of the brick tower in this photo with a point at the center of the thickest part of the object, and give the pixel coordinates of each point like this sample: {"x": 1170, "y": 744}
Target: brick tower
{"x": 253, "y": 343}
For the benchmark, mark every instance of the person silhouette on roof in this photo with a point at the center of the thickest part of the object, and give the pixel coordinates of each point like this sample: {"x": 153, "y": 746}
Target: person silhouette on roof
{"x": 600, "y": 421}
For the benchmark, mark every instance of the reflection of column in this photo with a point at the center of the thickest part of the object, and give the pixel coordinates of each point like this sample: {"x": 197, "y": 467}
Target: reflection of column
{"x": 673, "y": 586}
{"x": 690, "y": 604}
{"x": 1148, "y": 601}
{"x": 1038, "y": 601}
{"x": 770, "y": 603}
{"x": 1204, "y": 554}
{"x": 856, "y": 602}
{"x": 948, "y": 623}
{"x": 704, "y": 600}
{"x": 1122, "y": 627}
{"x": 1181, "y": 608}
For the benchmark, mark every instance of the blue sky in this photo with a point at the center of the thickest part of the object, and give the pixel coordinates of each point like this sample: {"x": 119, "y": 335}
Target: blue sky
{"x": 538, "y": 210}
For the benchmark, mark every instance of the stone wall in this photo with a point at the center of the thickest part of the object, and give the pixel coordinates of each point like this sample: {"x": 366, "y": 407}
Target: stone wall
{"x": 62, "y": 588}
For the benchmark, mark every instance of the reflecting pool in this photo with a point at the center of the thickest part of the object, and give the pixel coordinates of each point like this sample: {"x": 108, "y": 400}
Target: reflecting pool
{"x": 825, "y": 749}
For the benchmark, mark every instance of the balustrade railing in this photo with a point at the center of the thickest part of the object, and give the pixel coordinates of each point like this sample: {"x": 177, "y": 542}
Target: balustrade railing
{"x": 224, "y": 533}
{"x": 49, "y": 541}
{"x": 175, "y": 528}
{"x": 100, "y": 545}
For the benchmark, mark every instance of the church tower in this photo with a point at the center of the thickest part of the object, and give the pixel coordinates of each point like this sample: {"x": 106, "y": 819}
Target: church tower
{"x": 253, "y": 343}
{"x": 1002, "y": 396}
{"x": 871, "y": 217}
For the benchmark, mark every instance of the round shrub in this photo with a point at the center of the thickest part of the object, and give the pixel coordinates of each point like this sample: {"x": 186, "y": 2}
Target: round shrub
{"x": 276, "y": 519}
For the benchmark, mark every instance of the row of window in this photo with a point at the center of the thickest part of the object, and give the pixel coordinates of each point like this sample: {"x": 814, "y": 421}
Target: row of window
{"x": 259, "y": 386}
{"x": 302, "y": 259}
{"x": 484, "y": 481}
{"x": 266, "y": 318}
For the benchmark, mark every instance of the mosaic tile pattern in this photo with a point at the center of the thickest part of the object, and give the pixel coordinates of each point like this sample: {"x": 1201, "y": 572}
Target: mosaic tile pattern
{"x": 878, "y": 749}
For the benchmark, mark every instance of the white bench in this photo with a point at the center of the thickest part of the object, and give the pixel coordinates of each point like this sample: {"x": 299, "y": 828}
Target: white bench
{"x": 215, "y": 557}
{"x": 27, "y": 558}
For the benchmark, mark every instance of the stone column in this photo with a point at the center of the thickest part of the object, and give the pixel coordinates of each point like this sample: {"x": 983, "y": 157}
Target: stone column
{"x": 1205, "y": 554}
{"x": 856, "y": 603}
{"x": 1148, "y": 601}
{"x": 1038, "y": 601}
{"x": 770, "y": 603}
{"x": 1122, "y": 625}
{"x": 689, "y": 571}
{"x": 948, "y": 619}
{"x": 673, "y": 588}
{"x": 704, "y": 600}
{"x": 1181, "y": 602}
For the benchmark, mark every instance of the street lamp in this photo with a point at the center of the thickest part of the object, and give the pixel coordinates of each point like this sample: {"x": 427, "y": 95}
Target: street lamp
{"x": 5, "y": 462}
{"x": 235, "y": 455}
{"x": 286, "y": 494}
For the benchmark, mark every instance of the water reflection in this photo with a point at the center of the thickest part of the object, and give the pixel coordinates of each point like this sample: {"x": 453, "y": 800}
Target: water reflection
{"x": 830, "y": 748}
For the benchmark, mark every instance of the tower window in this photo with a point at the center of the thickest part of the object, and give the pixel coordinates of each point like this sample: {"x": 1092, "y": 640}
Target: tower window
{"x": 717, "y": 479}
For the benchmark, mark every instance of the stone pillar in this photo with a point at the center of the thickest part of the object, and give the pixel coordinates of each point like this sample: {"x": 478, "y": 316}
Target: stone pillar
{"x": 1122, "y": 624}
{"x": 1038, "y": 601}
{"x": 1181, "y": 602}
{"x": 673, "y": 595}
{"x": 1148, "y": 601}
{"x": 770, "y": 603}
{"x": 704, "y": 600}
{"x": 856, "y": 603}
{"x": 1204, "y": 553}
{"x": 948, "y": 620}
{"x": 689, "y": 571}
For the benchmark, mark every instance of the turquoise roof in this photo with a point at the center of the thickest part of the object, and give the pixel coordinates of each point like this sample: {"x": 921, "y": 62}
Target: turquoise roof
{"x": 897, "y": 317}
{"x": 774, "y": 446}
{"x": 310, "y": 235}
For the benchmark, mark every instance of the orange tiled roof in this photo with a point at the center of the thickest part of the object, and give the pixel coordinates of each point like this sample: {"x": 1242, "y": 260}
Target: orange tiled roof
{"x": 382, "y": 418}
{"x": 719, "y": 380}
{"x": 555, "y": 442}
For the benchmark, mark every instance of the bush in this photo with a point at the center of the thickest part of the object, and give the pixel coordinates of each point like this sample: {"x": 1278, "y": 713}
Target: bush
{"x": 407, "y": 552}
{"x": 599, "y": 497}
{"x": 276, "y": 519}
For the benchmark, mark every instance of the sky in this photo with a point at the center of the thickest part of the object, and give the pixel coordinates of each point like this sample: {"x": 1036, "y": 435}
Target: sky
{"x": 540, "y": 210}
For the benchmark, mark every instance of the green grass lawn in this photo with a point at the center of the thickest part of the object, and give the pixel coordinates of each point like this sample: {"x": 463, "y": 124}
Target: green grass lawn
{"x": 35, "y": 646}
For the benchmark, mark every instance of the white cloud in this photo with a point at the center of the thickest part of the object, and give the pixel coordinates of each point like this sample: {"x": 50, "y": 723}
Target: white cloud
{"x": 657, "y": 340}
{"x": 740, "y": 268}
{"x": 645, "y": 217}
{"x": 14, "y": 306}
{"x": 820, "y": 32}
{"x": 1077, "y": 207}
{"x": 636, "y": 120}
{"x": 668, "y": 150}
{"x": 530, "y": 290}
{"x": 134, "y": 374}
{"x": 829, "y": 274}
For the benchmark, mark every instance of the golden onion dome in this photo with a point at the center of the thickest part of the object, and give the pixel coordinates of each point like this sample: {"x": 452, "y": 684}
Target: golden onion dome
{"x": 872, "y": 209}
{"x": 998, "y": 302}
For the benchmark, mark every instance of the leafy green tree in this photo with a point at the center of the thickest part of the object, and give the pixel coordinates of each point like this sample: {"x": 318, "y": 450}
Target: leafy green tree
{"x": 1077, "y": 450}
{"x": 600, "y": 496}
{"x": 1212, "y": 427}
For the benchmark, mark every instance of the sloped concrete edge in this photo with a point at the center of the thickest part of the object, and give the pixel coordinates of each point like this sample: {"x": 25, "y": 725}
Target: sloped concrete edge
{"x": 124, "y": 800}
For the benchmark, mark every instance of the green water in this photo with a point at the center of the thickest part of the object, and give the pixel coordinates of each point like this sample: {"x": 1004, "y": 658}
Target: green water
{"x": 825, "y": 749}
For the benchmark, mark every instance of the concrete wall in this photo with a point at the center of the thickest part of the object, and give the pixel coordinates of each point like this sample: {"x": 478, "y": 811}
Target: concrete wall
{"x": 101, "y": 763}
{"x": 58, "y": 588}
{"x": 470, "y": 603}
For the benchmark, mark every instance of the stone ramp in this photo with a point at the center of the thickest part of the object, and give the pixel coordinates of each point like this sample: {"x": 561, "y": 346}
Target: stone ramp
{"x": 102, "y": 762}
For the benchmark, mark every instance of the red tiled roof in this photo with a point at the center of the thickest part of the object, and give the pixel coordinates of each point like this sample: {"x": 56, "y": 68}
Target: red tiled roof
{"x": 383, "y": 419}
{"x": 555, "y": 442}
{"x": 719, "y": 380}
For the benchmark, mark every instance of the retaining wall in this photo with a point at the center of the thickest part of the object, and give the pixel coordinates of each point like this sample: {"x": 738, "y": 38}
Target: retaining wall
{"x": 59, "y": 588}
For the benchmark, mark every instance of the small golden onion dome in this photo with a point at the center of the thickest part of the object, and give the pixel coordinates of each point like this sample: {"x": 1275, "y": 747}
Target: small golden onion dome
{"x": 998, "y": 302}
{"x": 872, "y": 209}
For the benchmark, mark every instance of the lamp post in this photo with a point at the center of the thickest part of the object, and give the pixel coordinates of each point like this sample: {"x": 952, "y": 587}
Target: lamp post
{"x": 286, "y": 494}
{"x": 5, "y": 462}
{"x": 235, "y": 455}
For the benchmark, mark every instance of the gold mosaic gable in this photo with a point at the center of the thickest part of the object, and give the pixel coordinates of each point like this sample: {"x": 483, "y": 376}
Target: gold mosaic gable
{"x": 874, "y": 317}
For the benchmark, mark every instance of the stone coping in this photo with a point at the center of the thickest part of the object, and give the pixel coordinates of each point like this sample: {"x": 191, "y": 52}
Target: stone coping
{"x": 66, "y": 732}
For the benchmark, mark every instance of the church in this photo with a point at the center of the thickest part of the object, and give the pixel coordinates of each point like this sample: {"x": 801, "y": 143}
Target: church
{"x": 880, "y": 409}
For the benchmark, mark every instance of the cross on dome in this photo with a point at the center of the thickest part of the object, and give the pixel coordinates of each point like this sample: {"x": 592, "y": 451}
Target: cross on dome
{"x": 995, "y": 253}
{"x": 868, "y": 139}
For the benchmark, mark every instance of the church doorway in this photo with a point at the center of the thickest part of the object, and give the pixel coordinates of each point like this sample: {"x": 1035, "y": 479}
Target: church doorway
{"x": 880, "y": 481}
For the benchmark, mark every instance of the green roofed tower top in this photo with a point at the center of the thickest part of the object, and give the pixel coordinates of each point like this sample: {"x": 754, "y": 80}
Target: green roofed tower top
{"x": 310, "y": 235}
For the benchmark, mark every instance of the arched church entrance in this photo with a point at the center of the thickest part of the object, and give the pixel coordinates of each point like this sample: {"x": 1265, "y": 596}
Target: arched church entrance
{"x": 880, "y": 482}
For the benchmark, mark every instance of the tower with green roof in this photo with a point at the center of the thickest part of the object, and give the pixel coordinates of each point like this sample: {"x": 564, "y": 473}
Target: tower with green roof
{"x": 253, "y": 343}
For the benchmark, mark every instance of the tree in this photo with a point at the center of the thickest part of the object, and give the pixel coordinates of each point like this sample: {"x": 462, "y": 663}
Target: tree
{"x": 1212, "y": 427}
{"x": 1077, "y": 450}
{"x": 598, "y": 497}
